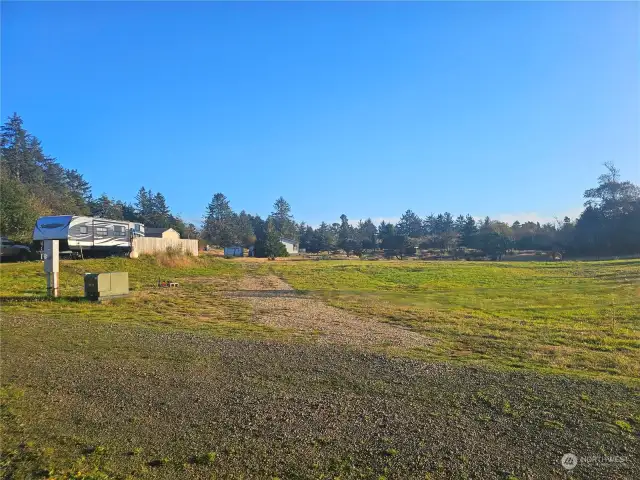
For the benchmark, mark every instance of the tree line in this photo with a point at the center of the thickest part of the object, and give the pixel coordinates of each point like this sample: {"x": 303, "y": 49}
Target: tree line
{"x": 33, "y": 184}
{"x": 609, "y": 225}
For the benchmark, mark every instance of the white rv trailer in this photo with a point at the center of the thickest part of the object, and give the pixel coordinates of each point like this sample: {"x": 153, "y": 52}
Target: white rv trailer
{"x": 88, "y": 235}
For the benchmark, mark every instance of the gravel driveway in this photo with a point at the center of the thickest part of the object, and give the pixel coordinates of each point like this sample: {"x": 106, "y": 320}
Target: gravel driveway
{"x": 276, "y": 304}
{"x": 325, "y": 409}
{"x": 271, "y": 409}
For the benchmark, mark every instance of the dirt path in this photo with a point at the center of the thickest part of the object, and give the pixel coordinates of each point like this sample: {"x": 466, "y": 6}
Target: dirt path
{"x": 276, "y": 304}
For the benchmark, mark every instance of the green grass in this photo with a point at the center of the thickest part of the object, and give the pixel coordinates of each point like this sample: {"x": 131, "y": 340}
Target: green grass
{"x": 570, "y": 317}
{"x": 577, "y": 318}
{"x": 198, "y": 303}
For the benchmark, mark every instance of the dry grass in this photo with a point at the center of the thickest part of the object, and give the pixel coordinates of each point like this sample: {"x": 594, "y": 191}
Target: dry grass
{"x": 173, "y": 259}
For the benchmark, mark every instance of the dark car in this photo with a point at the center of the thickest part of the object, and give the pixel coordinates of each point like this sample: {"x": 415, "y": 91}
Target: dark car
{"x": 12, "y": 250}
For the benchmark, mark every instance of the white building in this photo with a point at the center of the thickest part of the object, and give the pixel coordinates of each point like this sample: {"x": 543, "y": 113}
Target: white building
{"x": 290, "y": 245}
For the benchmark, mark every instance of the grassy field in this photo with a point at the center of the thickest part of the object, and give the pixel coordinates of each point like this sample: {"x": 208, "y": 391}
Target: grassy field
{"x": 528, "y": 361}
{"x": 572, "y": 317}
{"x": 198, "y": 303}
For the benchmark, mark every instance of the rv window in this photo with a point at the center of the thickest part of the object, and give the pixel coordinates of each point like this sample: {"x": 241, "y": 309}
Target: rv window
{"x": 84, "y": 229}
{"x": 118, "y": 231}
{"x": 101, "y": 231}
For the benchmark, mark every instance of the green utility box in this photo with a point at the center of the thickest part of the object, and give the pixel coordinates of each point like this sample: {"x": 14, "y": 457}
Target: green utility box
{"x": 98, "y": 286}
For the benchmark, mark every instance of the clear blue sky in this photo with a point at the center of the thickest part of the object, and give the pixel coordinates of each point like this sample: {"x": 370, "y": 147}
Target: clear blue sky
{"x": 367, "y": 109}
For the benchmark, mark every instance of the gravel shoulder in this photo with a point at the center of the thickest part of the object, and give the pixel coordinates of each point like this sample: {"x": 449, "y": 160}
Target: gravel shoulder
{"x": 276, "y": 304}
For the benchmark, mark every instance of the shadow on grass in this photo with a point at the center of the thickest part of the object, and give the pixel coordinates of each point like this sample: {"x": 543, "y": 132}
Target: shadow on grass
{"x": 264, "y": 293}
{"x": 41, "y": 298}
{"x": 627, "y": 261}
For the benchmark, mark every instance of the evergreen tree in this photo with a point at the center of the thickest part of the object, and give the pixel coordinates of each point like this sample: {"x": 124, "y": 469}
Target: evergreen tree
{"x": 259, "y": 227}
{"x": 244, "y": 229}
{"x": 429, "y": 225}
{"x": 283, "y": 220}
{"x": 305, "y": 233}
{"x": 129, "y": 212}
{"x": 160, "y": 213}
{"x": 19, "y": 151}
{"x": 366, "y": 234}
{"x": 397, "y": 245}
{"x": 218, "y": 225}
{"x": 79, "y": 189}
{"x": 494, "y": 238}
{"x": 271, "y": 246}
{"x": 345, "y": 235}
{"x": 190, "y": 231}
{"x": 143, "y": 205}
{"x": 104, "y": 207}
{"x": 47, "y": 188}
{"x": 410, "y": 225}
{"x": 386, "y": 230}
{"x": 468, "y": 231}
{"x": 323, "y": 239}
{"x": 18, "y": 209}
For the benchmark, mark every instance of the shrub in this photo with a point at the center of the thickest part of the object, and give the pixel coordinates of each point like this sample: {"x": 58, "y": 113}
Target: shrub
{"x": 174, "y": 251}
{"x": 270, "y": 246}
{"x": 398, "y": 246}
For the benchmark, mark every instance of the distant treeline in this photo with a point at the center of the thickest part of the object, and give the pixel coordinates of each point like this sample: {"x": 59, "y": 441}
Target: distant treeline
{"x": 33, "y": 184}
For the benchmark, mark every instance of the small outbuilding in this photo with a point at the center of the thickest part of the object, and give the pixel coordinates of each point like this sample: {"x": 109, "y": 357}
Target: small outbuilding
{"x": 290, "y": 245}
{"x": 234, "y": 251}
{"x": 161, "y": 233}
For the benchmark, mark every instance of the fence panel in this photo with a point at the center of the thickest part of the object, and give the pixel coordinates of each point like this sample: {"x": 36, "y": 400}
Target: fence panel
{"x": 143, "y": 245}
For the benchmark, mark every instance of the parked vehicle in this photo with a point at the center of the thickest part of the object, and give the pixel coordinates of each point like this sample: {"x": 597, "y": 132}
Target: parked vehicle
{"x": 13, "y": 250}
{"x": 88, "y": 236}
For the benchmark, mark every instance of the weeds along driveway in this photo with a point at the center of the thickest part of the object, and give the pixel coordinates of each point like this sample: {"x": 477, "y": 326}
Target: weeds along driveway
{"x": 276, "y": 304}
{"x": 149, "y": 403}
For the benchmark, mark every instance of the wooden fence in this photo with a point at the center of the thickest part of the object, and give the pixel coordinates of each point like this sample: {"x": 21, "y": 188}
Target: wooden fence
{"x": 143, "y": 245}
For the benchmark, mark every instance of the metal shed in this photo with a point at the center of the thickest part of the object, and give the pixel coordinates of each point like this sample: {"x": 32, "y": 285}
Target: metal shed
{"x": 234, "y": 251}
